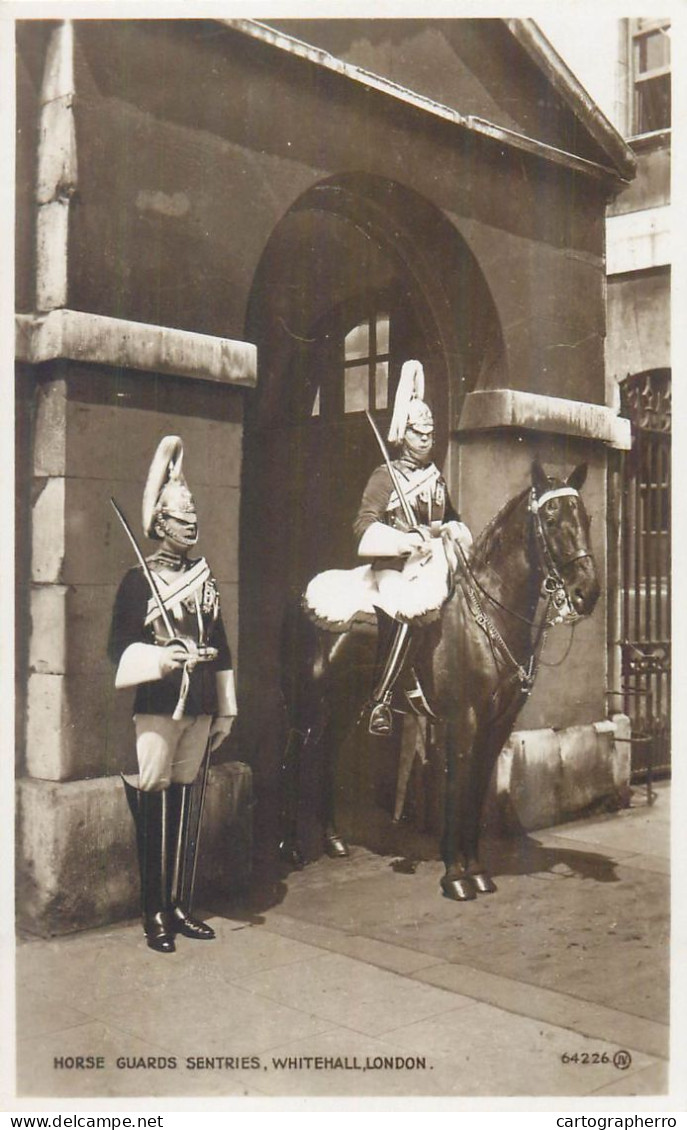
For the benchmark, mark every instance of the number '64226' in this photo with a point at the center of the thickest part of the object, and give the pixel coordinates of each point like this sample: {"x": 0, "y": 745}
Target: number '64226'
{"x": 585, "y": 1057}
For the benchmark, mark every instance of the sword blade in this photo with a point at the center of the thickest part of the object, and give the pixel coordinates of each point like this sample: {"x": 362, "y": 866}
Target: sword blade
{"x": 146, "y": 570}
{"x": 405, "y": 505}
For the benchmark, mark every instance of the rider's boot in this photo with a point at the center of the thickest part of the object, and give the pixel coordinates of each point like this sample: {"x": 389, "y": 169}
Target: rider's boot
{"x": 393, "y": 649}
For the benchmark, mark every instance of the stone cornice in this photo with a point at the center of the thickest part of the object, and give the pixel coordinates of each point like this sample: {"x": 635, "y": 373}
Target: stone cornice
{"x": 511, "y": 139}
{"x": 509, "y": 408}
{"x": 78, "y": 336}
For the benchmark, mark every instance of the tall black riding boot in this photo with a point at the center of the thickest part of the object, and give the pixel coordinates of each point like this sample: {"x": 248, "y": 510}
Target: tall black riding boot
{"x": 394, "y": 642}
{"x": 185, "y": 801}
{"x": 149, "y": 810}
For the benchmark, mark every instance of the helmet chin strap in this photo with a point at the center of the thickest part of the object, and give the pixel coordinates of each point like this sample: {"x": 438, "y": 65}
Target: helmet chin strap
{"x": 162, "y": 526}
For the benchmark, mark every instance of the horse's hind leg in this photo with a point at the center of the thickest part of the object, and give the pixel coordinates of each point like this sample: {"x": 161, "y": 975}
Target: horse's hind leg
{"x": 289, "y": 849}
{"x": 334, "y": 844}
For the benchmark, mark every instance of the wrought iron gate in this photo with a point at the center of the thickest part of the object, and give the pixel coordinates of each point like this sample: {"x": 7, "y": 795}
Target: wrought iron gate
{"x": 645, "y": 570}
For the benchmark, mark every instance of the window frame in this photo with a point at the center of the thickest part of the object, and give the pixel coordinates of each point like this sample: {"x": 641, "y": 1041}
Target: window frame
{"x": 639, "y": 29}
{"x": 377, "y": 310}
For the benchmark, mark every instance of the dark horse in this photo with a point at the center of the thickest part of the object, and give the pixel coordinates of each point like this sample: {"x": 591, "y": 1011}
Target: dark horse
{"x": 476, "y": 663}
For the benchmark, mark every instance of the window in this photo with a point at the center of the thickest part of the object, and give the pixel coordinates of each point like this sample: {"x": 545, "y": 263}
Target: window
{"x": 350, "y": 362}
{"x": 650, "y": 75}
{"x": 366, "y": 365}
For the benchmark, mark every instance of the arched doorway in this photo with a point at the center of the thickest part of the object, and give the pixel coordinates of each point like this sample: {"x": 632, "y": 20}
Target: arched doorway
{"x": 359, "y": 276}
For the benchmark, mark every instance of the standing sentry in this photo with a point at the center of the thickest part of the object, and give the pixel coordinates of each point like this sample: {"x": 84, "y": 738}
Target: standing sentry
{"x": 167, "y": 639}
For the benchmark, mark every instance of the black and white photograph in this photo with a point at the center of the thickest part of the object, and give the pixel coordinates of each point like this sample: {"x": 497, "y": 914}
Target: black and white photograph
{"x": 342, "y": 627}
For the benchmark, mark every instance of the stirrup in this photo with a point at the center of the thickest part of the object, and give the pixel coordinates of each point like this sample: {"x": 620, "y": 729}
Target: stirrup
{"x": 381, "y": 720}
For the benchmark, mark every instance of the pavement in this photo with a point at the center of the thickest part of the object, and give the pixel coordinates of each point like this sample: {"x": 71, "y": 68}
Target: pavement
{"x": 355, "y": 978}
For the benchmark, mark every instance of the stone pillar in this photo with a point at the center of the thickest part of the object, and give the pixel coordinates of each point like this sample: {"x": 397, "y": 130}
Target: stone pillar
{"x": 567, "y": 755}
{"x": 96, "y": 422}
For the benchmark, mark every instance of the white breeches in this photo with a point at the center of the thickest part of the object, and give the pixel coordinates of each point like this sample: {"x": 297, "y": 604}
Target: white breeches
{"x": 169, "y": 751}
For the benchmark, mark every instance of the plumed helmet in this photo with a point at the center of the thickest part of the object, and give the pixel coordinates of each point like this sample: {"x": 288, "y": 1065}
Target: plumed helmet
{"x": 410, "y": 409}
{"x": 166, "y": 488}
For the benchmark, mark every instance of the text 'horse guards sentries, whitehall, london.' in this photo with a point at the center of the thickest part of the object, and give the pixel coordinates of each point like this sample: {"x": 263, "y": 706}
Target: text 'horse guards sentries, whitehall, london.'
{"x": 473, "y": 655}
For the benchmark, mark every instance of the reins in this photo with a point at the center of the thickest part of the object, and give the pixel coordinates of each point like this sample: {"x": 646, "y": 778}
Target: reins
{"x": 552, "y": 589}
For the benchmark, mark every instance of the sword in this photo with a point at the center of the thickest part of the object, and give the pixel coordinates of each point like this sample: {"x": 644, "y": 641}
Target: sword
{"x": 395, "y": 482}
{"x": 147, "y": 573}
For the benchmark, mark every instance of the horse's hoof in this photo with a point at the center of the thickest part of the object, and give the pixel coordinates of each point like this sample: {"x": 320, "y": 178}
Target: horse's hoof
{"x": 484, "y": 883}
{"x": 459, "y": 889}
{"x": 335, "y": 847}
{"x": 290, "y": 854}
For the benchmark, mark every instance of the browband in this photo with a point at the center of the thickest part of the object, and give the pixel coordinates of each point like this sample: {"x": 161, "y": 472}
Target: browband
{"x": 548, "y": 494}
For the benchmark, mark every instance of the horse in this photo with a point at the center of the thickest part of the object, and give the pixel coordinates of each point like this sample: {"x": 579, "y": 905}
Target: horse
{"x": 476, "y": 664}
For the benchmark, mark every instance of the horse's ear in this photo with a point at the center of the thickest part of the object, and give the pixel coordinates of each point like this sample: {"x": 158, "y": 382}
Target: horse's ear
{"x": 539, "y": 480}
{"x": 577, "y": 479}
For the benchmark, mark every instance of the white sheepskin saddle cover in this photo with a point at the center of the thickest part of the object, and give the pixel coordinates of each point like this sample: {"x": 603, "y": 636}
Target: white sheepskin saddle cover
{"x": 339, "y": 598}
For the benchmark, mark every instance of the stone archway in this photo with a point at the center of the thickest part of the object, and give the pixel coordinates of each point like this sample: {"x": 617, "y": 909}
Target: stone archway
{"x": 362, "y": 260}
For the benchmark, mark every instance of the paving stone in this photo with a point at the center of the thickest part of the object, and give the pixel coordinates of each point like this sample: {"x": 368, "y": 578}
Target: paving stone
{"x": 80, "y": 968}
{"x": 394, "y": 958}
{"x": 37, "y": 1015}
{"x": 352, "y": 994}
{"x": 565, "y": 1011}
{"x": 497, "y": 1052}
{"x": 240, "y": 951}
{"x": 652, "y": 1080}
{"x": 217, "y": 1019}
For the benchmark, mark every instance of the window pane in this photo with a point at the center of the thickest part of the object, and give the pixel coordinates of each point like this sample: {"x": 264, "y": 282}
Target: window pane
{"x": 357, "y": 342}
{"x": 382, "y": 384}
{"x": 653, "y": 104}
{"x": 382, "y": 333}
{"x": 316, "y": 405}
{"x": 652, "y": 51}
{"x": 356, "y": 389}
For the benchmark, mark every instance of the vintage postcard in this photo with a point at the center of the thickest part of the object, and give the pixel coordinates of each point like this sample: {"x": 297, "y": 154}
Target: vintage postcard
{"x": 343, "y": 482}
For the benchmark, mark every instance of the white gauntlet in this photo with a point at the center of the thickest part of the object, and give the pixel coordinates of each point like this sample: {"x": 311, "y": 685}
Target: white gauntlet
{"x": 460, "y": 533}
{"x": 380, "y": 540}
{"x": 140, "y": 663}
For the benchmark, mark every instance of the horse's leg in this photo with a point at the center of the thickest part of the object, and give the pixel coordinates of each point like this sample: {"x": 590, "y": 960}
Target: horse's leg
{"x": 328, "y": 748}
{"x": 487, "y": 745}
{"x": 456, "y": 883}
{"x": 289, "y": 849}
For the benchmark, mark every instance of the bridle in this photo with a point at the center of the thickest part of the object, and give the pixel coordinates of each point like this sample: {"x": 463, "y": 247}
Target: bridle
{"x": 553, "y": 585}
{"x": 559, "y": 607}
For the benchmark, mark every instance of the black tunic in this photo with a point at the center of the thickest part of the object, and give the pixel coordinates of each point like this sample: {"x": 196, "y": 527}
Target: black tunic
{"x": 128, "y": 627}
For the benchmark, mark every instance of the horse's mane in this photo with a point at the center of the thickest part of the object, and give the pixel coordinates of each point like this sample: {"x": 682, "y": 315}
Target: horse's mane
{"x": 492, "y": 532}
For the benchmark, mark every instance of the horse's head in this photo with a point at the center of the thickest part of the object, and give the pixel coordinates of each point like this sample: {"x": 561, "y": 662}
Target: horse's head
{"x": 561, "y": 527}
